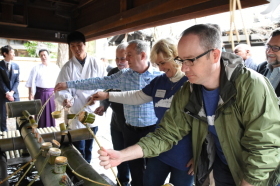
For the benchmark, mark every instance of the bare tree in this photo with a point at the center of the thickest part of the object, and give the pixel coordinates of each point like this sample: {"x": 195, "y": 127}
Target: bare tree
{"x": 62, "y": 54}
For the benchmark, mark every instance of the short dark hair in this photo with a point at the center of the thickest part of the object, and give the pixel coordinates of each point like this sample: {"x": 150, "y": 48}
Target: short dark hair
{"x": 209, "y": 35}
{"x": 76, "y": 36}
{"x": 43, "y": 50}
{"x": 6, "y": 49}
{"x": 275, "y": 32}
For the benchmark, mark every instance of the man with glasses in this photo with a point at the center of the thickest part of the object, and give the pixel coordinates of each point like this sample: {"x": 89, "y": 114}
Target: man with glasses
{"x": 271, "y": 67}
{"x": 117, "y": 119}
{"x": 235, "y": 130}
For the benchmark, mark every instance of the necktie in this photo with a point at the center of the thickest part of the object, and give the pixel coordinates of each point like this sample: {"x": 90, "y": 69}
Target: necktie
{"x": 7, "y": 65}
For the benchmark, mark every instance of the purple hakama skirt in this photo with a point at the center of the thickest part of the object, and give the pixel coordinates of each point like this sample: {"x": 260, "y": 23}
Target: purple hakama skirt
{"x": 46, "y": 119}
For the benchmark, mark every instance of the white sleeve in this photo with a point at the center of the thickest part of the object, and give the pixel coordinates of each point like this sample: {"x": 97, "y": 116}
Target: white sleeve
{"x": 63, "y": 76}
{"x": 134, "y": 97}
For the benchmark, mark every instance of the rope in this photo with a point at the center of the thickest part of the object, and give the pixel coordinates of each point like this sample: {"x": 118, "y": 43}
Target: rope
{"x": 43, "y": 107}
{"x": 33, "y": 160}
{"x": 89, "y": 129}
{"x": 77, "y": 174}
{"x": 31, "y": 165}
{"x": 40, "y": 172}
{"x": 232, "y": 8}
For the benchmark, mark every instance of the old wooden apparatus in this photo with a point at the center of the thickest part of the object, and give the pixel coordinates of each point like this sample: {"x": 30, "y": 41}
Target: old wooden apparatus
{"x": 32, "y": 138}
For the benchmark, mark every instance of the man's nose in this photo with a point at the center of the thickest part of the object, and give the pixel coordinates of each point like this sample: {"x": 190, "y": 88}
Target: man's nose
{"x": 185, "y": 68}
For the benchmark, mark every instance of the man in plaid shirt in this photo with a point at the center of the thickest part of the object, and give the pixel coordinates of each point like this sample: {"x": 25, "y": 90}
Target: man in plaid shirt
{"x": 140, "y": 119}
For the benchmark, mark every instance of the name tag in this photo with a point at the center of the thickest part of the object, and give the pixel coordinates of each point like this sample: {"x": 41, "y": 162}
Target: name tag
{"x": 15, "y": 71}
{"x": 160, "y": 93}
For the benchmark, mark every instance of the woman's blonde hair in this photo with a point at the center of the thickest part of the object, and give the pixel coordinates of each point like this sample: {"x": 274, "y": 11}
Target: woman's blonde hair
{"x": 167, "y": 49}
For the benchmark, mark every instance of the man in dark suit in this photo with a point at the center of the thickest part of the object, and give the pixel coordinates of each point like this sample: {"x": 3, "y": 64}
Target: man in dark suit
{"x": 9, "y": 80}
{"x": 271, "y": 67}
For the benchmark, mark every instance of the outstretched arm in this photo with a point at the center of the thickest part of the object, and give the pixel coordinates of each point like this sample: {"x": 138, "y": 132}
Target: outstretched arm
{"x": 112, "y": 158}
{"x": 60, "y": 86}
{"x": 134, "y": 97}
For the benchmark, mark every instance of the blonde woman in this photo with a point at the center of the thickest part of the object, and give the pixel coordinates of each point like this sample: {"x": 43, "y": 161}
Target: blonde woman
{"x": 176, "y": 161}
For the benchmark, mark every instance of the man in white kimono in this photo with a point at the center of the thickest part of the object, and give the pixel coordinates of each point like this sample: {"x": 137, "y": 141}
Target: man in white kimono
{"x": 41, "y": 84}
{"x": 80, "y": 66}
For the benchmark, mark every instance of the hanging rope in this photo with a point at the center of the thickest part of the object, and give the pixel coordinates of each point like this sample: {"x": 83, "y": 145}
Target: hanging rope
{"x": 77, "y": 174}
{"x": 232, "y": 8}
{"x": 31, "y": 161}
{"x": 43, "y": 107}
{"x": 95, "y": 138}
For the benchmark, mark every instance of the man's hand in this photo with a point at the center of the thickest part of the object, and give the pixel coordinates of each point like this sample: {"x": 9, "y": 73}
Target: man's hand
{"x": 60, "y": 86}
{"x": 30, "y": 97}
{"x": 10, "y": 96}
{"x": 109, "y": 158}
{"x": 245, "y": 183}
{"x": 67, "y": 103}
{"x": 100, "y": 96}
{"x": 99, "y": 110}
{"x": 191, "y": 165}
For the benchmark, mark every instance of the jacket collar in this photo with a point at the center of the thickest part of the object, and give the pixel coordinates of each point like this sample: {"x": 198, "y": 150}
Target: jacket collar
{"x": 231, "y": 66}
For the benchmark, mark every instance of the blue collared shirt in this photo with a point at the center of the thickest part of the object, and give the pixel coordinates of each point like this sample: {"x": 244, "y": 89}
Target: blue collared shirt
{"x": 125, "y": 80}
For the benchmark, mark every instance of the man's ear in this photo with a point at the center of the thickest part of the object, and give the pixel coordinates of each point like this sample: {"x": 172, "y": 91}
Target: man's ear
{"x": 143, "y": 55}
{"x": 217, "y": 55}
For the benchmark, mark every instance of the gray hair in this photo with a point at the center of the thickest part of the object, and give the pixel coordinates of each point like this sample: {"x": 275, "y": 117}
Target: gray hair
{"x": 243, "y": 46}
{"x": 122, "y": 46}
{"x": 141, "y": 46}
{"x": 210, "y": 37}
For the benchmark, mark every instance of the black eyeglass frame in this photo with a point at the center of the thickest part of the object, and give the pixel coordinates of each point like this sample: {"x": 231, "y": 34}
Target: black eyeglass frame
{"x": 268, "y": 46}
{"x": 191, "y": 61}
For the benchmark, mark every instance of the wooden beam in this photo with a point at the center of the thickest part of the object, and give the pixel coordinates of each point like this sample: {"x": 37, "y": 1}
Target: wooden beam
{"x": 7, "y": 12}
{"x": 65, "y": 3}
{"x": 154, "y": 8}
{"x": 85, "y": 2}
{"x": 44, "y": 35}
{"x": 123, "y": 5}
{"x": 196, "y": 11}
{"x": 12, "y": 24}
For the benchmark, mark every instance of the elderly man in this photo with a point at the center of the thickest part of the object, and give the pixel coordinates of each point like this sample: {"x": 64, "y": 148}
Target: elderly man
{"x": 271, "y": 67}
{"x": 140, "y": 119}
{"x": 117, "y": 119}
{"x": 244, "y": 51}
{"x": 80, "y": 66}
{"x": 41, "y": 86}
{"x": 232, "y": 113}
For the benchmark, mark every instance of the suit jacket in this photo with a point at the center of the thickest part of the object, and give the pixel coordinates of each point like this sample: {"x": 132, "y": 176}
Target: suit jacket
{"x": 263, "y": 69}
{"x": 9, "y": 80}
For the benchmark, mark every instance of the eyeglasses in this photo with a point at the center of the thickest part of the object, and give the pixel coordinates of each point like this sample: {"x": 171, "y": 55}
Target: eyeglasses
{"x": 190, "y": 62}
{"x": 273, "y": 48}
{"x": 121, "y": 59}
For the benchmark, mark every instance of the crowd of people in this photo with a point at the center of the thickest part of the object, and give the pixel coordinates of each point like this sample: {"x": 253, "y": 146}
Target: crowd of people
{"x": 200, "y": 110}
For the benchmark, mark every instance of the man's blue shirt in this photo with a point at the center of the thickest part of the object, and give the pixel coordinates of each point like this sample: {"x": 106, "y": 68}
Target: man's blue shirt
{"x": 125, "y": 80}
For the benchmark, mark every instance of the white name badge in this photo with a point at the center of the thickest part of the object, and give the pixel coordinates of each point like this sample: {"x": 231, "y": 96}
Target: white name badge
{"x": 15, "y": 71}
{"x": 160, "y": 93}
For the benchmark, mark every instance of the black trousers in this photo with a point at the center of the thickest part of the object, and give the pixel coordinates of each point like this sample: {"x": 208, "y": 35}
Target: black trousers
{"x": 222, "y": 173}
{"x": 137, "y": 167}
{"x": 3, "y": 115}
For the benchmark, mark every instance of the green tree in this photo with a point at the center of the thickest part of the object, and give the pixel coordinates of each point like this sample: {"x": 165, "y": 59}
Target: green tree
{"x": 31, "y": 48}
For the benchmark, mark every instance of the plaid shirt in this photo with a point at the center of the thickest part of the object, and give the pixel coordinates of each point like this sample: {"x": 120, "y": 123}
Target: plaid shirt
{"x": 125, "y": 80}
